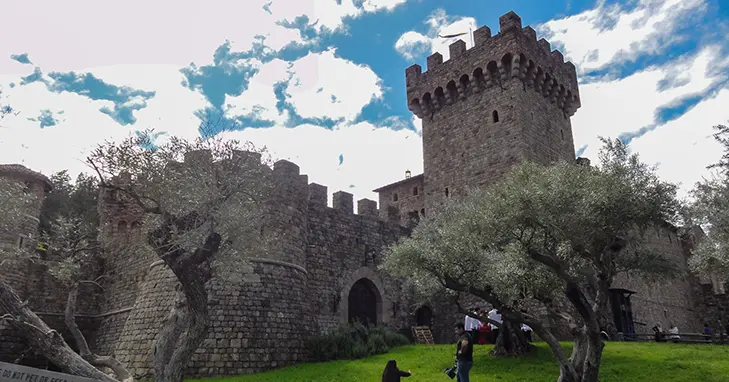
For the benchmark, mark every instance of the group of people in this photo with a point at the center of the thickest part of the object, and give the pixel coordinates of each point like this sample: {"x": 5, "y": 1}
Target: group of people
{"x": 488, "y": 333}
{"x": 469, "y": 332}
{"x": 461, "y": 370}
{"x": 660, "y": 335}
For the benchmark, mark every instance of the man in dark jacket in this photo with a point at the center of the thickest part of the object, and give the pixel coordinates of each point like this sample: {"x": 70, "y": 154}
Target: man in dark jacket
{"x": 464, "y": 354}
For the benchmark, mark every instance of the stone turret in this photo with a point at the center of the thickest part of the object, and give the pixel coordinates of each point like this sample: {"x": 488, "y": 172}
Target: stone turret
{"x": 508, "y": 98}
{"x": 17, "y": 275}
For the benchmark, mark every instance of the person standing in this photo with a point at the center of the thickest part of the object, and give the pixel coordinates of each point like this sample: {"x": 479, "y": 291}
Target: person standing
{"x": 464, "y": 354}
{"x": 495, "y": 316}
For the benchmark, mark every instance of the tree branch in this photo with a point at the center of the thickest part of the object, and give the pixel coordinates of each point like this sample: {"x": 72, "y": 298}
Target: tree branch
{"x": 47, "y": 341}
{"x": 99, "y": 361}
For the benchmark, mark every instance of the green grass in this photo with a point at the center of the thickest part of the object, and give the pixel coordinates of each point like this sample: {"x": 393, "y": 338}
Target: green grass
{"x": 622, "y": 362}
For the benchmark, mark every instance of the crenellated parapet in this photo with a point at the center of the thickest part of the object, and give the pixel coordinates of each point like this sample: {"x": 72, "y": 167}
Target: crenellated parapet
{"x": 513, "y": 54}
{"x": 341, "y": 201}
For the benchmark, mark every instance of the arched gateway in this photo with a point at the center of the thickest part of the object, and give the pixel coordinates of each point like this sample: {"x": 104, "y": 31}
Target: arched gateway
{"x": 363, "y": 299}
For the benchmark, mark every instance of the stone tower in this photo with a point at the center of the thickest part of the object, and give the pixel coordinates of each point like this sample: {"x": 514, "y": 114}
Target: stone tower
{"x": 19, "y": 274}
{"x": 507, "y": 99}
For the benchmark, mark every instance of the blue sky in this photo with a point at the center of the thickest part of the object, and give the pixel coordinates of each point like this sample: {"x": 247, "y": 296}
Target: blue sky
{"x": 321, "y": 82}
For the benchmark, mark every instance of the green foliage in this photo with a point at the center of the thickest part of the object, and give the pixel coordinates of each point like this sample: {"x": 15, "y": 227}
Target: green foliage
{"x": 622, "y": 362}
{"x": 353, "y": 341}
{"x": 709, "y": 209}
{"x": 574, "y": 219}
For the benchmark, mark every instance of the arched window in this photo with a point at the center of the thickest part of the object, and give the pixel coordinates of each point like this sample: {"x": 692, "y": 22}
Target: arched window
{"x": 394, "y": 197}
{"x": 446, "y": 192}
{"x": 495, "y": 116}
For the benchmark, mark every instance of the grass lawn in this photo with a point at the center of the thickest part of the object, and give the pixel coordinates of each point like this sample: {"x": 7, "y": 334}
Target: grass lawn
{"x": 622, "y": 361}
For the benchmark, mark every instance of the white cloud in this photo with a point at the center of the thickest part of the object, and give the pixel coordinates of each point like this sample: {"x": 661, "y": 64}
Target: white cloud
{"x": 81, "y": 126}
{"x": 259, "y": 100}
{"x": 629, "y": 104}
{"x": 328, "y": 15}
{"x": 326, "y": 86}
{"x": 609, "y": 34}
{"x": 373, "y": 156}
{"x": 684, "y": 147}
{"x": 67, "y": 35}
{"x": 412, "y": 43}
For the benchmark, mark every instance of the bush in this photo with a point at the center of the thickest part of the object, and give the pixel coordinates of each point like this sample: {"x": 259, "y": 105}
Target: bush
{"x": 353, "y": 341}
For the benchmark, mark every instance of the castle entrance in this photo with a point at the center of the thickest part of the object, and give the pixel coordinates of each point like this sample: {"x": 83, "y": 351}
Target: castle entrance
{"x": 424, "y": 316}
{"x": 362, "y": 301}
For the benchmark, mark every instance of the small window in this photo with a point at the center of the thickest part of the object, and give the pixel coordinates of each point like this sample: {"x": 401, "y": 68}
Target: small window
{"x": 670, "y": 239}
{"x": 561, "y": 132}
{"x": 495, "y": 115}
{"x": 415, "y": 191}
{"x": 394, "y": 197}
{"x": 446, "y": 192}
{"x": 422, "y": 212}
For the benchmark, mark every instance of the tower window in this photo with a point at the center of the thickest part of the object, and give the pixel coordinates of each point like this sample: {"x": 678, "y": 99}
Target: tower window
{"x": 495, "y": 116}
{"x": 415, "y": 191}
{"x": 446, "y": 192}
{"x": 394, "y": 197}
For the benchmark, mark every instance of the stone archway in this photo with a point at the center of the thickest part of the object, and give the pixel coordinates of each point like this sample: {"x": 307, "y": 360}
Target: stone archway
{"x": 366, "y": 286}
{"x": 362, "y": 302}
{"x": 424, "y": 316}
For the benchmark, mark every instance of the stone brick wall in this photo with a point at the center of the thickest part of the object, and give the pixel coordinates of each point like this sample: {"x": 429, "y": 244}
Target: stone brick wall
{"x": 343, "y": 248}
{"x": 403, "y": 202}
{"x": 713, "y": 308}
{"x": 668, "y": 301}
{"x": 154, "y": 301}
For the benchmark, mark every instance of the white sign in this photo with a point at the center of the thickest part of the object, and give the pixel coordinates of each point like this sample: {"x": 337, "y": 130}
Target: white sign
{"x": 17, "y": 373}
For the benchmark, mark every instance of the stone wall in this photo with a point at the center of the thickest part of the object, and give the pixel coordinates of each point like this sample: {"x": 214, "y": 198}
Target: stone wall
{"x": 403, "y": 202}
{"x": 670, "y": 301}
{"x": 342, "y": 249}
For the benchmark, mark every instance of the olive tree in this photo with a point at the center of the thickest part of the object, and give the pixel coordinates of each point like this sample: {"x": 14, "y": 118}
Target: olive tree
{"x": 552, "y": 237}
{"x": 202, "y": 202}
{"x": 209, "y": 208}
{"x": 709, "y": 209}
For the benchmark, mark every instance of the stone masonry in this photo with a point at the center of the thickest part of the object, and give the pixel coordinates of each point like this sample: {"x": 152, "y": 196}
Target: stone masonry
{"x": 507, "y": 99}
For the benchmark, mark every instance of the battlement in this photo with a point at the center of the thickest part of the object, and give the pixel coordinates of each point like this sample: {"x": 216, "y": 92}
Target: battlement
{"x": 514, "y": 53}
{"x": 341, "y": 200}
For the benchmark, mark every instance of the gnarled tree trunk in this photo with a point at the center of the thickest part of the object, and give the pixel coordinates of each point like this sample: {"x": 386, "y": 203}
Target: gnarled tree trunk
{"x": 48, "y": 341}
{"x": 511, "y": 340}
{"x": 186, "y": 325}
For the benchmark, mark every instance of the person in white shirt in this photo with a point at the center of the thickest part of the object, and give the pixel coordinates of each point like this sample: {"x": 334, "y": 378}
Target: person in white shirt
{"x": 527, "y": 332}
{"x": 673, "y": 333}
{"x": 472, "y": 325}
{"x": 495, "y": 316}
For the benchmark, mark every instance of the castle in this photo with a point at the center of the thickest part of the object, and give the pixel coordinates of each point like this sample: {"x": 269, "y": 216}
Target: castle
{"x": 507, "y": 99}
